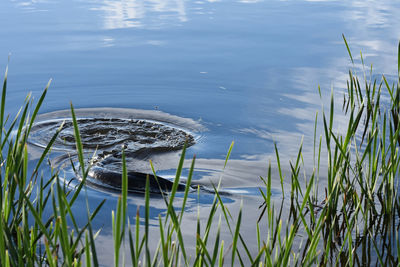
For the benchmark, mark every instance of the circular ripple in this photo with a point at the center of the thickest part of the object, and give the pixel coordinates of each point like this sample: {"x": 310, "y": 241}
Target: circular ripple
{"x": 109, "y": 134}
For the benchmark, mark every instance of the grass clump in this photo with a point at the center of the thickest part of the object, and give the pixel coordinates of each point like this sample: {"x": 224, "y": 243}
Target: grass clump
{"x": 27, "y": 235}
{"x": 353, "y": 220}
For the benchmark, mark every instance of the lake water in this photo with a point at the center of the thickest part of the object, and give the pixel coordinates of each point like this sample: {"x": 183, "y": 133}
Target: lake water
{"x": 245, "y": 71}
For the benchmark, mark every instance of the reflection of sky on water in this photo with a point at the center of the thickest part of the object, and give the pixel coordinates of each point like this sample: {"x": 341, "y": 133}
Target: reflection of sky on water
{"x": 251, "y": 74}
{"x": 128, "y": 13}
{"x": 375, "y": 31}
{"x": 31, "y": 5}
{"x": 250, "y": 216}
{"x": 247, "y": 70}
{"x": 371, "y": 13}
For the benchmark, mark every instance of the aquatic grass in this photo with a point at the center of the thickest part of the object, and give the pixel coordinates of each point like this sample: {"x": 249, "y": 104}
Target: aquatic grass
{"x": 353, "y": 221}
{"x": 27, "y": 236}
{"x": 347, "y": 220}
{"x": 19, "y": 241}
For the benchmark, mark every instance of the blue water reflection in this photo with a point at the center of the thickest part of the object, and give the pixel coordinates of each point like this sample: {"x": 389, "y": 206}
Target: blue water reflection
{"x": 129, "y": 14}
{"x": 246, "y": 70}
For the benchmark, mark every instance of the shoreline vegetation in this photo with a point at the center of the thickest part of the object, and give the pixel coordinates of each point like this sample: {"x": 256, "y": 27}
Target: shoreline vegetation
{"x": 354, "y": 220}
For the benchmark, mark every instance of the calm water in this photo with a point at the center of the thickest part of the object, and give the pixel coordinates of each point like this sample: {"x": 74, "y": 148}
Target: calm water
{"x": 246, "y": 71}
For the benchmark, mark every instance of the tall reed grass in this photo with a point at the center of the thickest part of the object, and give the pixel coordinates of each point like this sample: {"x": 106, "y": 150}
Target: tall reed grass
{"x": 354, "y": 220}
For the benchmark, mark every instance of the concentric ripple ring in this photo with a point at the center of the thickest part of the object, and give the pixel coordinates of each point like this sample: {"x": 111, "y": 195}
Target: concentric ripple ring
{"x": 139, "y": 138}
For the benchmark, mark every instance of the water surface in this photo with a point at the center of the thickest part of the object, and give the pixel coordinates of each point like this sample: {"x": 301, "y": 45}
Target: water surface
{"x": 246, "y": 71}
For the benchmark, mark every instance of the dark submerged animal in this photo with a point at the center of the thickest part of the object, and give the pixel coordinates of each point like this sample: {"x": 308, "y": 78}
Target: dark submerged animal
{"x": 140, "y": 139}
{"x": 136, "y": 181}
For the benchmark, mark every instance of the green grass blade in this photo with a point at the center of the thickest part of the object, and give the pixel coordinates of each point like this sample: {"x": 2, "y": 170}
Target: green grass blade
{"x": 229, "y": 153}
{"x": 236, "y": 236}
{"x": 279, "y": 169}
{"x": 3, "y": 102}
{"x": 87, "y": 251}
{"x": 186, "y": 194}
{"x": 90, "y": 230}
{"x": 348, "y": 49}
{"x": 38, "y": 105}
{"x": 81, "y": 158}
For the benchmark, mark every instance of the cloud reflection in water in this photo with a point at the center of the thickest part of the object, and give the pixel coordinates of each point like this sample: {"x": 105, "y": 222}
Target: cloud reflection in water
{"x": 137, "y": 14}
